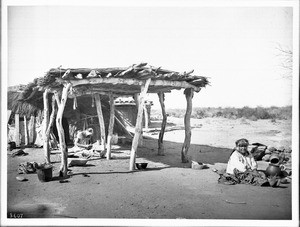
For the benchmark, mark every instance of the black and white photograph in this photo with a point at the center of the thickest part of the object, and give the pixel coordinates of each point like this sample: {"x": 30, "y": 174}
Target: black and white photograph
{"x": 149, "y": 113}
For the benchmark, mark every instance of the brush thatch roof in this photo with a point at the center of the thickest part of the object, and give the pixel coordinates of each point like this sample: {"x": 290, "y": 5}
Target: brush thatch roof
{"x": 120, "y": 81}
{"x": 19, "y": 106}
{"x": 88, "y": 81}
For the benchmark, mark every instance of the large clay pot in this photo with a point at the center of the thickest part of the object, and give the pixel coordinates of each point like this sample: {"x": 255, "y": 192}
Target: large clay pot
{"x": 274, "y": 158}
{"x": 273, "y": 170}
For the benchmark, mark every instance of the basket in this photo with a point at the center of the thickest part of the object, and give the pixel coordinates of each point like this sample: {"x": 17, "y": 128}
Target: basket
{"x": 45, "y": 174}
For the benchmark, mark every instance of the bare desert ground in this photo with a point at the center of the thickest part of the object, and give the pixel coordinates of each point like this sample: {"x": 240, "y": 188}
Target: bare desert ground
{"x": 167, "y": 189}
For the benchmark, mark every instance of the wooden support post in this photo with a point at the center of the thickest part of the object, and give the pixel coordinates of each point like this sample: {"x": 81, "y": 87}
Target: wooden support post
{"x": 138, "y": 126}
{"x": 146, "y": 117}
{"x": 62, "y": 142}
{"x": 111, "y": 125}
{"x": 17, "y": 130}
{"x": 161, "y": 97}
{"x": 51, "y": 121}
{"x": 31, "y": 130}
{"x": 26, "y": 131}
{"x": 137, "y": 103}
{"x": 136, "y": 99}
{"x": 189, "y": 93}
{"x": 101, "y": 120}
{"x": 45, "y": 125}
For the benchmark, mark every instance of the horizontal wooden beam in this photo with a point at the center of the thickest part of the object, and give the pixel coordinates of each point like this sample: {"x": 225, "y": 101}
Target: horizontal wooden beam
{"x": 105, "y": 91}
{"x": 127, "y": 81}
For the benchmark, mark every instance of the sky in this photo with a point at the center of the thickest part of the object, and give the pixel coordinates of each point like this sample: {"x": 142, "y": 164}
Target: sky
{"x": 235, "y": 47}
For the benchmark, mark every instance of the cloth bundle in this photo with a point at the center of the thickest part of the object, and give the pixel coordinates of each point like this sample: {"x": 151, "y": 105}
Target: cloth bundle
{"x": 27, "y": 167}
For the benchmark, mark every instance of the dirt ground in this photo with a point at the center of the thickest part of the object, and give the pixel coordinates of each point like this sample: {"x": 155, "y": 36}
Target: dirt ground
{"x": 167, "y": 189}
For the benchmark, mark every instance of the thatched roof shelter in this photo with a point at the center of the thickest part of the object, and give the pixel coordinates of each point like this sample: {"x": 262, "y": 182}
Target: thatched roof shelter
{"x": 136, "y": 80}
{"x": 120, "y": 81}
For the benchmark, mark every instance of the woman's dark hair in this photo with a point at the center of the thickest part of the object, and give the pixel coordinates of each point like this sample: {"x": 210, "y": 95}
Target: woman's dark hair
{"x": 242, "y": 143}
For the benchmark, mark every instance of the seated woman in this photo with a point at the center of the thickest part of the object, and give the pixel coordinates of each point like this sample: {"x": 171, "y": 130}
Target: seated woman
{"x": 83, "y": 138}
{"x": 82, "y": 145}
{"x": 84, "y": 148}
{"x": 242, "y": 168}
{"x": 240, "y": 158}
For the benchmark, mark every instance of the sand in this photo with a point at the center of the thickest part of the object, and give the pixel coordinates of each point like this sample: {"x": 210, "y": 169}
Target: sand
{"x": 167, "y": 189}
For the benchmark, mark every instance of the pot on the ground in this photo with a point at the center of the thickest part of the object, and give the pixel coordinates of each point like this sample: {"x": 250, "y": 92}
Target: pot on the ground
{"x": 273, "y": 170}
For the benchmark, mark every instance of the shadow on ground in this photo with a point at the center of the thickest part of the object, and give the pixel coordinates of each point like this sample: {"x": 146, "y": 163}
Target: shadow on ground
{"x": 172, "y": 158}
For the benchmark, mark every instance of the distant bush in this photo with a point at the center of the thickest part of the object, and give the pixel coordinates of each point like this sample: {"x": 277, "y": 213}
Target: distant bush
{"x": 253, "y": 118}
{"x": 254, "y": 114}
{"x": 176, "y": 112}
{"x": 199, "y": 113}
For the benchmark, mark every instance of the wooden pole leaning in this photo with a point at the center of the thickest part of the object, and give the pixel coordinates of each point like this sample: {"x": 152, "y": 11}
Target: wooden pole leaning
{"x": 189, "y": 93}
{"x": 161, "y": 97}
{"x": 62, "y": 142}
{"x": 111, "y": 125}
{"x": 137, "y": 104}
{"x": 101, "y": 121}
{"x": 45, "y": 126}
{"x": 138, "y": 126}
{"x": 146, "y": 117}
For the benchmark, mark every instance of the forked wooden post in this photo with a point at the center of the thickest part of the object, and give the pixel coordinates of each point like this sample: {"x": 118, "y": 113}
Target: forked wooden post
{"x": 189, "y": 93}
{"x": 111, "y": 125}
{"x": 161, "y": 150}
{"x": 17, "y": 130}
{"x": 45, "y": 126}
{"x": 62, "y": 142}
{"x": 101, "y": 119}
{"x": 26, "y": 131}
{"x": 50, "y": 124}
{"x": 138, "y": 126}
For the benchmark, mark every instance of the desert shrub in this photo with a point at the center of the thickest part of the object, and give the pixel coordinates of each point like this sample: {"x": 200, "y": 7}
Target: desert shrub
{"x": 179, "y": 113}
{"x": 253, "y": 118}
{"x": 281, "y": 113}
{"x": 278, "y": 113}
{"x": 246, "y": 112}
{"x": 218, "y": 114}
{"x": 262, "y": 113}
{"x": 199, "y": 113}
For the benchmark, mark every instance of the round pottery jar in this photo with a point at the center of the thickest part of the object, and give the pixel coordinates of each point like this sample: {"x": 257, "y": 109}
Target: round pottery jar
{"x": 274, "y": 158}
{"x": 273, "y": 170}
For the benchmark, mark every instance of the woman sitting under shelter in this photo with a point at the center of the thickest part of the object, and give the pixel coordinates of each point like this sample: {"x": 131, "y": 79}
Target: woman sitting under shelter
{"x": 83, "y": 146}
{"x": 83, "y": 139}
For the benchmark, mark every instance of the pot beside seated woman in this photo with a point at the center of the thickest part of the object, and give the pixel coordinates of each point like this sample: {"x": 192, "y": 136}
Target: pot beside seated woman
{"x": 242, "y": 168}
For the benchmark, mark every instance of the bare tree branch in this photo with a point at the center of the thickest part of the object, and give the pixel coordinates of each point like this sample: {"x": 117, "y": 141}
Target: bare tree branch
{"x": 286, "y": 57}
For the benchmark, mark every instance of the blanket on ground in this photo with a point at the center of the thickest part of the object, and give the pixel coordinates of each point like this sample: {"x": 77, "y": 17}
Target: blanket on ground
{"x": 257, "y": 178}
